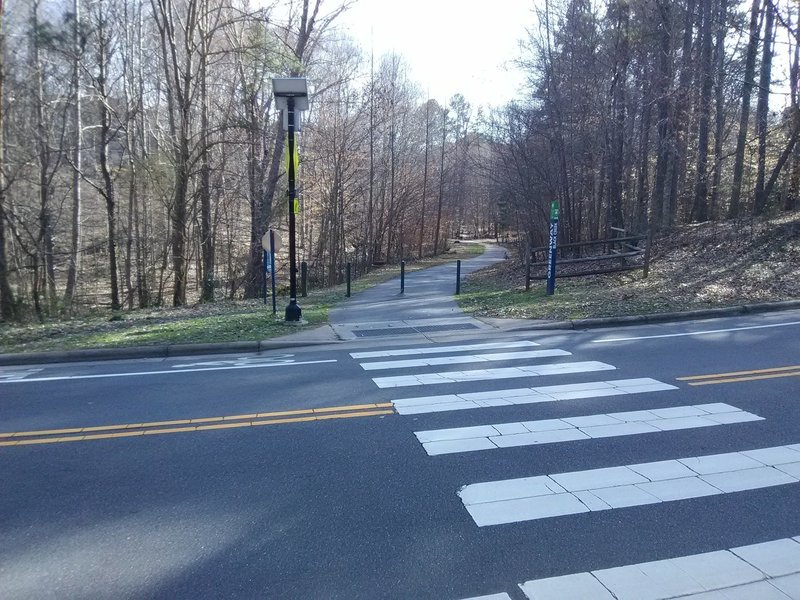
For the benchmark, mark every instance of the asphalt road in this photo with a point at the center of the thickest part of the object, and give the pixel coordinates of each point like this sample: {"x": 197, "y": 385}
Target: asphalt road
{"x": 167, "y": 498}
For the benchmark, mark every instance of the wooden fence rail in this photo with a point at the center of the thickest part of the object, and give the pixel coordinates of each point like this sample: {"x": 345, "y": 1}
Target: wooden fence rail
{"x": 624, "y": 248}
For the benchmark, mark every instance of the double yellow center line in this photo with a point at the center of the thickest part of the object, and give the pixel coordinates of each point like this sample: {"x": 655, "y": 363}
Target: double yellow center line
{"x": 105, "y": 432}
{"x": 738, "y": 376}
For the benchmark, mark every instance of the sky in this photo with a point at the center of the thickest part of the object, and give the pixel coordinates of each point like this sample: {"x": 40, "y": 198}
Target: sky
{"x": 451, "y": 46}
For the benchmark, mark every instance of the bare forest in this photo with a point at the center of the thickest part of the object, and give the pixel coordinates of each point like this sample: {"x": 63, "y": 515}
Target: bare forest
{"x": 142, "y": 157}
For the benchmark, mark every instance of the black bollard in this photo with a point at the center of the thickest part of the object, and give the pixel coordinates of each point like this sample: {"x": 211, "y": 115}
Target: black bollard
{"x": 458, "y": 277}
{"x": 402, "y": 277}
{"x": 347, "y": 272}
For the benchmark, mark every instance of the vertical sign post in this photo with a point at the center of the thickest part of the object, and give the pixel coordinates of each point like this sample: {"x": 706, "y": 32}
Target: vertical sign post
{"x": 266, "y": 270}
{"x": 272, "y": 268}
{"x": 551, "y": 256}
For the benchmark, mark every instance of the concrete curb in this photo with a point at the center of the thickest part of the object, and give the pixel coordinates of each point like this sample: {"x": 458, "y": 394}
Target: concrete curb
{"x": 727, "y": 311}
{"x": 166, "y": 351}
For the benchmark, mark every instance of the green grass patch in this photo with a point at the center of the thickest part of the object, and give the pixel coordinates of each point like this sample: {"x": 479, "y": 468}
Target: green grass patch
{"x": 574, "y": 299}
{"x": 222, "y": 321}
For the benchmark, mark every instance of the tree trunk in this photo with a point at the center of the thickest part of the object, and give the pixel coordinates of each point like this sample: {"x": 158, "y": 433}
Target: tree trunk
{"x": 108, "y": 192}
{"x": 617, "y": 138}
{"x": 206, "y": 227}
{"x": 424, "y": 180}
{"x": 7, "y": 304}
{"x": 787, "y": 151}
{"x": 441, "y": 187}
{"x": 747, "y": 87}
{"x": 73, "y": 264}
{"x": 140, "y": 198}
{"x": 791, "y": 201}
{"x": 762, "y": 109}
{"x": 180, "y": 78}
{"x": 179, "y": 264}
{"x": 130, "y": 235}
{"x": 719, "y": 103}
{"x": 44, "y": 242}
{"x": 665, "y": 129}
{"x": 700, "y": 206}
{"x": 392, "y": 171}
{"x": 643, "y": 176}
{"x": 681, "y": 113}
{"x": 370, "y": 241}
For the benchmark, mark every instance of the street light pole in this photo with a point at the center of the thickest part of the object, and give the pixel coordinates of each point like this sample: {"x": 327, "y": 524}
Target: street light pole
{"x": 291, "y": 96}
{"x": 293, "y": 311}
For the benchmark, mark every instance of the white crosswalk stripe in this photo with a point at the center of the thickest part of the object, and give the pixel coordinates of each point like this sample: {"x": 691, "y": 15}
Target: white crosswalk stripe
{"x": 531, "y": 498}
{"x": 461, "y": 359}
{"x": 491, "y": 374}
{"x": 765, "y": 570}
{"x": 529, "y": 433}
{"x": 532, "y": 395}
{"x": 441, "y": 349}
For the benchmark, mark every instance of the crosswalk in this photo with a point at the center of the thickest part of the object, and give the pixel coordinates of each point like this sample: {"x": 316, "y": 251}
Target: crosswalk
{"x": 557, "y": 494}
{"x": 545, "y": 431}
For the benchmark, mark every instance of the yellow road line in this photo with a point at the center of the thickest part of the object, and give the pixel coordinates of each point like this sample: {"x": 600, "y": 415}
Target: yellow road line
{"x": 750, "y": 378}
{"x": 120, "y": 434}
{"x": 84, "y": 430}
{"x": 282, "y": 413}
{"x": 353, "y": 407}
{"x": 738, "y": 373}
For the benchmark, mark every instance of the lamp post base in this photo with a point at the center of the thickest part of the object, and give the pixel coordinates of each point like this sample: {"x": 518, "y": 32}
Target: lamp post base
{"x": 293, "y": 312}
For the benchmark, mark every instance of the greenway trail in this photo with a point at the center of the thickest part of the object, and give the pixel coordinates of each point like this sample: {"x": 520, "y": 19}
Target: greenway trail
{"x": 426, "y": 306}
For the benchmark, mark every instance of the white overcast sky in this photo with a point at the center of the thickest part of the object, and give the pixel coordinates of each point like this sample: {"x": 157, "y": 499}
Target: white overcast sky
{"x": 451, "y": 46}
{"x": 469, "y": 46}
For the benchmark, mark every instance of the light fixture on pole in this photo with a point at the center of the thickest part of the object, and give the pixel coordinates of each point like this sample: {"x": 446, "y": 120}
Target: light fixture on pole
{"x": 291, "y": 97}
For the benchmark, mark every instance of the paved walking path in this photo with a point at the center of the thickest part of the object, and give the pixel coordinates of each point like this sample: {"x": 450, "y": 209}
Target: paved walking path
{"x": 427, "y": 306}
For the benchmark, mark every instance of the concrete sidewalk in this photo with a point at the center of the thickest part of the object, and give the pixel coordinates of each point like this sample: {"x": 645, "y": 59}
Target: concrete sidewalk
{"x": 427, "y": 305}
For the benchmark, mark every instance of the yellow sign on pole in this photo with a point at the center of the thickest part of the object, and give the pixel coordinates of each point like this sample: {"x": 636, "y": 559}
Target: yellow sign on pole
{"x": 296, "y": 156}
{"x": 297, "y": 206}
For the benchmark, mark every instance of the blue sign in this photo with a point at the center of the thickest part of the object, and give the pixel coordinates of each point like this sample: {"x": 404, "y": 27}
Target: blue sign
{"x": 551, "y": 256}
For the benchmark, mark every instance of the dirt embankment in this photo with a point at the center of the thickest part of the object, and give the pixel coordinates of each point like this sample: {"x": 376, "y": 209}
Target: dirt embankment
{"x": 695, "y": 266}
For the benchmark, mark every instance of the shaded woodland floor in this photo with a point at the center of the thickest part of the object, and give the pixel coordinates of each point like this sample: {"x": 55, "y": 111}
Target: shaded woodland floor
{"x": 222, "y": 321}
{"x": 707, "y": 265}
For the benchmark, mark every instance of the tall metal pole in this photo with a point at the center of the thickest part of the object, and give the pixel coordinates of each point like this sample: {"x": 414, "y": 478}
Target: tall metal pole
{"x": 553, "y": 249}
{"x": 272, "y": 269}
{"x": 293, "y": 312}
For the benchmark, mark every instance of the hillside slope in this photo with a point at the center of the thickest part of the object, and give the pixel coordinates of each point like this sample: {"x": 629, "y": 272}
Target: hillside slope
{"x": 708, "y": 265}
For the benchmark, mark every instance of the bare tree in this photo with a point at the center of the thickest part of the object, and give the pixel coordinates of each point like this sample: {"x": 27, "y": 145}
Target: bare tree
{"x": 73, "y": 265}
{"x": 700, "y": 206}
{"x": 747, "y": 87}
{"x": 7, "y": 306}
{"x": 441, "y": 185}
{"x": 719, "y": 104}
{"x": 762, "y": 108}
{"x": 424, "y": 179}
{"x": 101, "y": 82}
